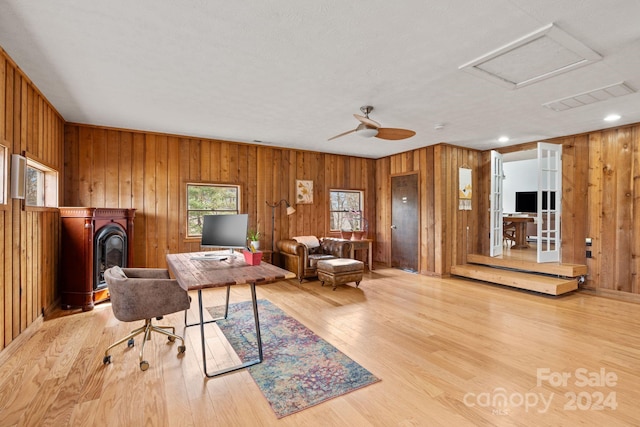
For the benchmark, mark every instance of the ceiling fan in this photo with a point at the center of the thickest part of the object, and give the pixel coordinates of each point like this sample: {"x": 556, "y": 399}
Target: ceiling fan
{"x": 368, "y": 128}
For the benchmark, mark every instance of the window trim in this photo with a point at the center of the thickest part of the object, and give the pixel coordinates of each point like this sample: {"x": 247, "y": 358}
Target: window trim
{"x": 4, "y": 176}
{"x": 185, "y": 205}
{"x": 51, "y": 185}
{"x": 346, "y": 190}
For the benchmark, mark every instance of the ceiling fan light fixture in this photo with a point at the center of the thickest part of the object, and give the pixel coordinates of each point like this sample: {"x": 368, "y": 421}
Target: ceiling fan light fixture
{"x": 366, "y": 131}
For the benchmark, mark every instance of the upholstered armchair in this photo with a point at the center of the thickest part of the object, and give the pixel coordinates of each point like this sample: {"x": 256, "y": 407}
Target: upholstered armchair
{"x": 300, "y": 255}
{"x": 142, "y": 294}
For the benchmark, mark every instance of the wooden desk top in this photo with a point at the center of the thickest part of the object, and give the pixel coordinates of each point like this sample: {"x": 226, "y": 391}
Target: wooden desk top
{"x": 194, "y": 274}
{"x": 518, "y": 218}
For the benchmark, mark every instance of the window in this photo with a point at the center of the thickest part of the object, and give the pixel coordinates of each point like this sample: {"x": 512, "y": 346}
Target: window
{"x": 209, "y": 199}
{"x": 4, "y": 170}
{"x": 345, "y": 210}
{"x": 41, "y": 185}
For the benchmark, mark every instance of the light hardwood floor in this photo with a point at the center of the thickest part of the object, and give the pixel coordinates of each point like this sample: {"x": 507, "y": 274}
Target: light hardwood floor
{"x": 446, "y": 351}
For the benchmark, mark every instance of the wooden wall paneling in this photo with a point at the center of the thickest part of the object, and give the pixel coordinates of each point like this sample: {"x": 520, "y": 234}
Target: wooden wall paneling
{"x": 450, "y": 217}
{"x": 111, "y": 170}
{"x": 455, "y": 251}
{"x": 206, "y": 160}
{"x": 9, "y": 103}
{"x": 568, "y": 226}
{"x": 608, "y": 219}
{"x": 264, "y": 162}
{"x": 161, "y": 200}
{"x": 71, "y": 163}
{"x": 577, "y": 202}
{"x": 321, "y": 196}
{"x": 125, "y": 187}
{"x": 370, "y": 200}
{"x": 27, "y": 124}
{"x": 20, "y": 237}
{"x": 5, "y": 270}
{"x": 263, "y": 212}
{"x": 381, "y": 252}
{"x": 149, "y": 207}
{"x": 420, "y": 164}
{"x": 635, "y": 208}
{"x": 99, "y": 166}
{"x": 438, "y": 201}
{"x": 3, "y": 94}
{"x": 174, "y": 209}
{"x": 623, "y": 209}
{"x": 138, "y": 194}
{"x": 85, "y": 168}
{"x": 595, "y": 208}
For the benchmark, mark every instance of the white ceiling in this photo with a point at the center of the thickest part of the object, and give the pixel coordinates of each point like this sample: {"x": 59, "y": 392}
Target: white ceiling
{"x": 293, "y": 73}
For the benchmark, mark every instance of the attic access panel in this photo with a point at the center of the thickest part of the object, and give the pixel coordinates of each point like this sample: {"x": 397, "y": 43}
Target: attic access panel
{"x": 542, "y": 54}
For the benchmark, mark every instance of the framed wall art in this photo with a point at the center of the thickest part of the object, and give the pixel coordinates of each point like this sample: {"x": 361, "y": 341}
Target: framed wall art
{"x": 304, "y": 191}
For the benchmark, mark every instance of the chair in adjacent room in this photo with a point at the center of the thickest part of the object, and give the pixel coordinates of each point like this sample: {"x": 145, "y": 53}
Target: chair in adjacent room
{"x": 509, "y": 232}
{"x": 142, "y": 294}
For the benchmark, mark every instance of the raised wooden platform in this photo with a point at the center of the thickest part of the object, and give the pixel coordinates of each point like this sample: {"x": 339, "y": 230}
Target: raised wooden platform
{"x": 547, "y": 278}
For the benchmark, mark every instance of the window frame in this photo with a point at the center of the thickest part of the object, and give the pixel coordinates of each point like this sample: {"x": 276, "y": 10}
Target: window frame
{"x": 187, "y": 210}
{"x": 347, "y": 215}
{"x": 4, "y": 176}
{"x": 49, "y": 186}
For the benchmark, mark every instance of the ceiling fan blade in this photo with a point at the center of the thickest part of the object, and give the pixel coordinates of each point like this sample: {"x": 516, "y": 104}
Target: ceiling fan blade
{"x": 394, "y": 134}
{"x": 342, "y": 134}
{"x": 367, "y": 121}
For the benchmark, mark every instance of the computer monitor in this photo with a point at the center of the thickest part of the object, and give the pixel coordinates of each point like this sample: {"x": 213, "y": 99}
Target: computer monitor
{"x": 225, "y": 231}
{"x": 527, "y": 201}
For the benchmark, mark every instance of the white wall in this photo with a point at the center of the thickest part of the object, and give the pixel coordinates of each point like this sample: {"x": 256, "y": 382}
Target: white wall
{"x": 520, "y": 175}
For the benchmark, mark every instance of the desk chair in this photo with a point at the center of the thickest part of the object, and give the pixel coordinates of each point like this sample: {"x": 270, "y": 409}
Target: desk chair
{"x": 142, "y": 294}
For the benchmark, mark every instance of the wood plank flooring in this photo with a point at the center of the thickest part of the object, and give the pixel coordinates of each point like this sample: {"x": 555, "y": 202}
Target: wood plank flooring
{"x": 448, "y": 352}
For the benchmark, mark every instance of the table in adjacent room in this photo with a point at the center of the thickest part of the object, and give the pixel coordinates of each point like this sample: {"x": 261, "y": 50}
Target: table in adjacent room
{"x": 194, "y": 272}
{"x": 521, "y": 229}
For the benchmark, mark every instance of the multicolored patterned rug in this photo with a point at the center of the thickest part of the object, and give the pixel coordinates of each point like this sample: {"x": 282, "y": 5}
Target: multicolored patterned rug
{"x": 299, "y": 369}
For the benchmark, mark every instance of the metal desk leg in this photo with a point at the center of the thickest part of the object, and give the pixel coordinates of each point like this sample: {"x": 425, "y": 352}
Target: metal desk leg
{"x": 226, "y": 311}
{"x": 254, "y": 302}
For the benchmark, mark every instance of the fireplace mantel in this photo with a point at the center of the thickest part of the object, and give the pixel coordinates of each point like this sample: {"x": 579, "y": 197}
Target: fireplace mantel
{"x": 79, "y": 279}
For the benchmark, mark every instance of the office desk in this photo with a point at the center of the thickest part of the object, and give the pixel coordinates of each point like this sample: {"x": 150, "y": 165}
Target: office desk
{"x": 521, "y": 229}
{"x": 197, "y": 274}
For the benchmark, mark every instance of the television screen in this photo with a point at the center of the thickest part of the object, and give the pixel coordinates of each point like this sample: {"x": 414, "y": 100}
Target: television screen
{"x": 527, "y": 201}
{"x": 225, "y": 231}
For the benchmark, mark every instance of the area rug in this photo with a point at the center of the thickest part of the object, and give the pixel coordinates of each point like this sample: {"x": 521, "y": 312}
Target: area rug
{"x": 299, "y": 369}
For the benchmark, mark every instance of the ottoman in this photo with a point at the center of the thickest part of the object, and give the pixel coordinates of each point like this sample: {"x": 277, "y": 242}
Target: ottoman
{"x": 338, "y": 271}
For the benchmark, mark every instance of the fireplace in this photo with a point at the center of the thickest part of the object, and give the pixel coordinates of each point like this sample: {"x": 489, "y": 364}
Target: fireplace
{"x": 92, "y": 240}
{"x": 109, "y": 249}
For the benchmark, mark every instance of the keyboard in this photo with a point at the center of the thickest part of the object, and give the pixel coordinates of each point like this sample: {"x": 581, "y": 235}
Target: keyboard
{"x": 210, "y": 257}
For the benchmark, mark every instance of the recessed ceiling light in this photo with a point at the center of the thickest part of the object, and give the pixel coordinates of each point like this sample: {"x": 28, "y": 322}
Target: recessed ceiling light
{"x": 612, "y": 118}
{"x": 503, "y": 139}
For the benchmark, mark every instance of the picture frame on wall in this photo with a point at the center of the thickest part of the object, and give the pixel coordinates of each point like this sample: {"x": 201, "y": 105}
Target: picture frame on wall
{"x": 304, "y": 191}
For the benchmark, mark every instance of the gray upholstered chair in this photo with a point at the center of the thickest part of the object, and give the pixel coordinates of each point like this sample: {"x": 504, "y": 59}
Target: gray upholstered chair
{"x": 142, "y": 294}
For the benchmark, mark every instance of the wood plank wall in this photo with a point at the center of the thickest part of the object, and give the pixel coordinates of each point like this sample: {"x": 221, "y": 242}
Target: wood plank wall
{"x": 149, "y": 171}
{"x": 446, "y": 233}
{"x": 601, "y": 200}
{"x": 29, "y": 238}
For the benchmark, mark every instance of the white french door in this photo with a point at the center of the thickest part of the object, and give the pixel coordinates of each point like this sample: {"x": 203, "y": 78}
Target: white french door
{"x": 495, "y": 207}
{"x": 549, "y": 201}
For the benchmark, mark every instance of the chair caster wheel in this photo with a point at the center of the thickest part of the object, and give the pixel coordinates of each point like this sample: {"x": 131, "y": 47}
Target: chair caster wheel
{"x": 131, "y": 343}
{"x": 171, "y": 339}
{"x": 182, "y": 349}
{"x": 106, "y": 360}
{"x": 144, "y": 365}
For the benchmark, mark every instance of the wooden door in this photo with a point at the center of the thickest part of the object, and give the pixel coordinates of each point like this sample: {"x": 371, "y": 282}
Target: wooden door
{"x": 405, "y": 220}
